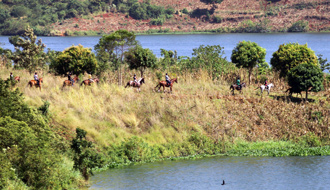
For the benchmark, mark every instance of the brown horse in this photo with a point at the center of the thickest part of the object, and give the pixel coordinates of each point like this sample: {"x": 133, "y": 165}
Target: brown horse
{"x": 234, "y": 87}
{"x": 69, "y": 83}
{"x": 35, "y": 83}
{"x": 135, "y": 84}
{"x": 164, "y": 84}
{"x": 17, "y": 78}
{"x": 88, "y": 82}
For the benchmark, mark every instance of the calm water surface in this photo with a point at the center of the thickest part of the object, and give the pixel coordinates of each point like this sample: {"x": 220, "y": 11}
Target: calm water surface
{"x": 185, "y": 43}
{"x": 238, "y": 172}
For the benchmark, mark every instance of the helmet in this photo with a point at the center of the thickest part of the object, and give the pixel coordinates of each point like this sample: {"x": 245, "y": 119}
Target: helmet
{"x": 35, "y": 73}
{"x": 134, "y": 74}
{"x": 166, "y": 73}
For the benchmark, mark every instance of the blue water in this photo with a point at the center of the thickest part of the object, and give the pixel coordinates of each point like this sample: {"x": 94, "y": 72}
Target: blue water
{"x": 185, "y": 43}
{"x": 238, "y": 172}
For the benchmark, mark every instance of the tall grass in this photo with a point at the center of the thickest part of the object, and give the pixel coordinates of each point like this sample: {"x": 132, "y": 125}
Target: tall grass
{"x": 112, "y": 114}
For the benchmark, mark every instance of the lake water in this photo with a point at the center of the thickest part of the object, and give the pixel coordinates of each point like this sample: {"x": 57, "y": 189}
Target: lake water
{"x": 312, "y": 172}
{"x": 185, "y": 43}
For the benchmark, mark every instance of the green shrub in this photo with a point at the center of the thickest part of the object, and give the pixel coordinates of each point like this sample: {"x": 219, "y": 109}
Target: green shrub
{"x": 299, "y": 26}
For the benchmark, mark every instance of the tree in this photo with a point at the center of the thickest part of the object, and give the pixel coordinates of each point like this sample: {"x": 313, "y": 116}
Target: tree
{"x": 75, "y": 59}
{"x": 290, "y": 55}
{"x": 323, "y": 63}
{"x": 28, "y": 54}
{"x": 114, "y": 46}
{"x": 247, "y": 55}
{"x": 304, "y": 77}
{"x": 139, "y": 58}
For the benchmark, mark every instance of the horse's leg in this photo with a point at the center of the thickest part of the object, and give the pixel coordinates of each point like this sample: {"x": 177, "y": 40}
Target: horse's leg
{"x": 171, "y": 88}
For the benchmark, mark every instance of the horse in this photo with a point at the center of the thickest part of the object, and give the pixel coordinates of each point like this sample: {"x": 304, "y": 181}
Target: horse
{"x": 164, "y": 84}
{"x": 69, "y": 82}
{"x": 263, "y": 87}
{"x": 234, "y": 87}
{"x": 88, "y": 82}
{"x": 135, "y": 84}
{"x": 292, "y": 90}
{"x": 35, "y": 83}
{"x": 17, "y": 78}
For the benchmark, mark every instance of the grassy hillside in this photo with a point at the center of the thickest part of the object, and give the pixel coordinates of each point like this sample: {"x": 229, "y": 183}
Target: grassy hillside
{"x": 110, "y": 114}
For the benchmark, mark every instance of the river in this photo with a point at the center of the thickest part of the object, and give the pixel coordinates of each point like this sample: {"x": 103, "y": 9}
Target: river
{"x": 311, "y": 172}
{"x": 185, "y": 43}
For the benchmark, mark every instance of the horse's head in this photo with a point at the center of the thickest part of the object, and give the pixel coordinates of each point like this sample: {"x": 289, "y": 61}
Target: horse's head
{"x": 40, "y": 80}
{"x": 175, "y": 80}
{"x": 142, "y": 80}
{"x": 76, "y": 78}
{"x": 243, "y": 84}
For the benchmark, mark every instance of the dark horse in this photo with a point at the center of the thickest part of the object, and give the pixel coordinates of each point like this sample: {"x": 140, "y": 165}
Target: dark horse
{"x": 17, "y": 78}
{"x": 135, "y": 84}
{"x": 35, "y": 83}
{"x": 164, "y": 84}
{"x": 88, "y": 82}
{"x": 69, "y": 82}
{"x": 234, "y": 87}
{"x": 292, "y": 90}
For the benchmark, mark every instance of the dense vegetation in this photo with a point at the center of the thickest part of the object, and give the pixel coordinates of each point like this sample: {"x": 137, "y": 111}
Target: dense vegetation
{"x": 55, "y": 138}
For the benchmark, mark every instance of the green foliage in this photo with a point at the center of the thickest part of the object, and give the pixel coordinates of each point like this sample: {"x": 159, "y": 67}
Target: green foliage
{"x": 75, "y": 59}
{"x": 198, "y": 13}
{"x": 140, "y": 59}
{"x": 185, "y": 11}
{"x": 19, "y": 11}
{"x": 248, "y": 26}
{"x": 28, "y": 54}
{"x": 85, "y": 158}
{"x": 217, "y": 19}
{"x": 305, "y": 76}
{"x": 143, "y": 11}
{"x": 111, "y": 48}
{"x": 323, "y": 63}
{"x": 157, "y": 22}
{"x": 27, "y": 146}
{"x": 290, "y": 55}
{"x": 247, "y": 55}
{"x": 299, "y": 26}
{"x": 211, "y": 1}
{"x": 209, "y": 58}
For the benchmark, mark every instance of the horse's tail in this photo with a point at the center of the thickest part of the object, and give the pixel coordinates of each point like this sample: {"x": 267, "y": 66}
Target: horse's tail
{"x": 127, "y": 84}
{"x": 257, "y": 88}
{"x": 81, "y": 83}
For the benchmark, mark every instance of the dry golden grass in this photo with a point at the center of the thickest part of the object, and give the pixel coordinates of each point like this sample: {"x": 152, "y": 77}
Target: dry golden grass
{"x": 111, "y": 113}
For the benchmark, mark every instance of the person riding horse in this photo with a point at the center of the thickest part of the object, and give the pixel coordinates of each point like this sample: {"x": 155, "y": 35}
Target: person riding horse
{"x": 238, "y": 82}
{"x": 11, "y": 76}
{"x": 90, "y": 78}
{"x": 70, "y": 78}
{"x": 135, "y": 82}
{"x": 36, "y": 78}
{"x": 168, "y": 80}
{"x": 266, "y": 85}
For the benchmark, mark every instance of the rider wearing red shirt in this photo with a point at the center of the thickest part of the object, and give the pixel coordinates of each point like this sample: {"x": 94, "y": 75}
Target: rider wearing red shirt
{"x": 266, "y": 84}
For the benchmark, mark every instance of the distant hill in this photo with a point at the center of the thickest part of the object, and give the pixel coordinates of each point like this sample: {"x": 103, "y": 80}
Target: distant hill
{"x": 96, "y": 17}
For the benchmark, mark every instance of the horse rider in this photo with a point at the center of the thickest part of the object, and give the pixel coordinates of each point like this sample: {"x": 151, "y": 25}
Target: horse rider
{"x": 238, "y": 82}
{"x": 36, "y": 78}
{"x": 90, "y": 78}
{"x": 266, "y": 84}
{"x": 168, "y": 81}
{"x": 70, "y": 78}
{"x": 11, "y": 76}
{"x": 135, "y": 82}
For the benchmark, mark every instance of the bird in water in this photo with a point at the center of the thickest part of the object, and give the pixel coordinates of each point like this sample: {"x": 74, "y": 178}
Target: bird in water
{"x": 223, "y": 182}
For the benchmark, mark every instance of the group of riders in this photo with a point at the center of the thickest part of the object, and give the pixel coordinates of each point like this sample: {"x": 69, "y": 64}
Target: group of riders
{"x": 239, "y": 86}
{"x": 167, "y": 79}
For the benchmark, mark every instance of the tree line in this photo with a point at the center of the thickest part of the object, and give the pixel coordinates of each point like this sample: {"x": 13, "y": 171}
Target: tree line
{"x": 120, "y": 49}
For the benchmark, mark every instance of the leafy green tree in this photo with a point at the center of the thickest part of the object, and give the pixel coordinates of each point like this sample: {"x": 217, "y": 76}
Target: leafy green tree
{"x": 306, "y": 76}
{"x": 211, "y": 1}
{"x": 140, "y": 59}
{"x": 28, "y": 54}
{"x": 85, "y": 158}
{"x": 75, "y": 59}
{"x": 114, "y": 46}
{"x": 290, "y": 55}
{"x": 209, "y": 58}
{"x": 323, "y": 63}
{"x": 247, "y": 55}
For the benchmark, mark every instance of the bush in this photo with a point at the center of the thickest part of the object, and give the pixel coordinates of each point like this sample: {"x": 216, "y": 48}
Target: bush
{"x": 299, "y": 26}
{"x": 185, "y": 11}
